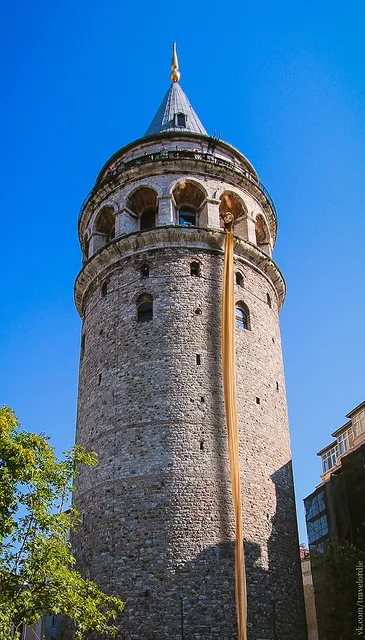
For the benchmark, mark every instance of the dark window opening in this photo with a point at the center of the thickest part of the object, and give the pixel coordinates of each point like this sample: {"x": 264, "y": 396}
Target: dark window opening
{"x": 202, "y": 399}
{"x": 277, "y": 386}
{"x": 105, "y": 223}
{"x": 181, "y": 120}
{"x": 258, "y": 401}
{"x": 147, "y": 220}
{"x": 195, "y": 269}
{"x": 99, "y": 379}
{"x": 198, "y": 358}
{"x": 144, "y": 308}
{"x": 239, "y": 279}
{"x": 242, "y": 320}
{"x": 201, "y": 445}
{"x": 198, "y": 312}
{"x": 187, "y": 216}
{"x": 268, "y": 300}
{"x": 145, "y": 270}
{"x": 104, "y": 289}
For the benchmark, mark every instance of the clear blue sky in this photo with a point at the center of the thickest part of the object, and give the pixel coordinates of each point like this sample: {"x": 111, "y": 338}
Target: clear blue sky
{"x": 283, "y": 82}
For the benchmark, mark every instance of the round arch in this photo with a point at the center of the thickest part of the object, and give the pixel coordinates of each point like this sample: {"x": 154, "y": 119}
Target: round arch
{"x": 188, "y": 197}
{"x": 104, "y": 222}
{"x": 231, "y": 202}
{"x": 261, "y": 230}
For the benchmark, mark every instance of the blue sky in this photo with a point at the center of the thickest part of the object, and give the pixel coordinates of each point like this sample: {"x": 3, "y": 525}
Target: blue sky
{"x": 283, "y": 82}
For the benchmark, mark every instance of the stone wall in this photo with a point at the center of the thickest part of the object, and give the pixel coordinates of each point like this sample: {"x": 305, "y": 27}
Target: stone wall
{"x": 157, "y": 510}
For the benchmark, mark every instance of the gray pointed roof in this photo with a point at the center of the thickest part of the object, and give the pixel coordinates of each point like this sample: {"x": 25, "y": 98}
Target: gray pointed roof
{"x": 174, "y": 102}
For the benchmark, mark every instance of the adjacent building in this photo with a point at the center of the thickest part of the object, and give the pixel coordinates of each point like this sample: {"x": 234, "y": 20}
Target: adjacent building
{"x": 337, "y": 506}
{"x": 335, "y": 512}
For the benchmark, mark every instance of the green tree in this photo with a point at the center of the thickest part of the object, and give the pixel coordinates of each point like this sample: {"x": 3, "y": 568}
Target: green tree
{"x": 37, "y": 568}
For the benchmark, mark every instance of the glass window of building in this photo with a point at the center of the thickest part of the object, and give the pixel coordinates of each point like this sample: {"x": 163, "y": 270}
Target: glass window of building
{"x": 315, "y": 505}
{"x": 329, "y": 459}
{"x": 317, "y": 529}
{"x": 358, "y": 423}
{"x": 345, "y": 441}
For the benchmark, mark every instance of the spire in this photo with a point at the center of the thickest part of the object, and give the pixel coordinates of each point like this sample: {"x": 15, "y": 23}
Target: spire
{"x": 175, "y": 112}
{"x": 175, "y": 74}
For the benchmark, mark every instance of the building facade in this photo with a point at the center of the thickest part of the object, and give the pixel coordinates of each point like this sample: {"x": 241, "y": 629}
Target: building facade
{"x": 336, "y": 508}
{"x": 157, "y": 516}
{"x": 335, "y": 513}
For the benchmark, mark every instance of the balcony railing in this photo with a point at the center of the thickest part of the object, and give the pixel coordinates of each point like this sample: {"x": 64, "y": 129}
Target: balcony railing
{"x": 168, "y": 155}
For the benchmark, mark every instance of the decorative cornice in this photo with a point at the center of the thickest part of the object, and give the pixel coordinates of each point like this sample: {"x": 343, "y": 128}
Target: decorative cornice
{"x": 196, "y": 238}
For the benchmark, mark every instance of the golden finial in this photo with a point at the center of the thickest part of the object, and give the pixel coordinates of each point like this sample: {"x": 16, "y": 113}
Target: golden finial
{"x": 175, "y": 73}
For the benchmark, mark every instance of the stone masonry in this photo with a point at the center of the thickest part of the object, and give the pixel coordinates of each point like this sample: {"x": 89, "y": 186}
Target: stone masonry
{"x": 157, "y": 514}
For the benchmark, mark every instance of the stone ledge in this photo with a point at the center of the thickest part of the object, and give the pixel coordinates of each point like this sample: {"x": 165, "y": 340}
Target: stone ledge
{"x": 161, "y": 238}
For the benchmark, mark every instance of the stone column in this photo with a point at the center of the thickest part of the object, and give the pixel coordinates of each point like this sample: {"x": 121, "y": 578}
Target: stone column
{"x": 125, "y": 222}
{"x": 209, "y": 215}
{"x": 97, "y": 241}
{"x": 166, "y": 213}
{"x": 246, "y": 228}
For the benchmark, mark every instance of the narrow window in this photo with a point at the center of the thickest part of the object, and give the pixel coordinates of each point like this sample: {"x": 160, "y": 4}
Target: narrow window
{"x": 145, "y": 270}
{"x": 242, "y": 317}
{"x": 104, "y": 289}
{"x": 181, "y": 120}
{"x": 187, "y": 216}
{"x": 277, "y": 386}
{"x": 258, "y": 401}
{"x": 144, "y": 308}
{"x": 195, "y": 269}
{"x": 99, "y": 379}
{"x": 202, "y": 399}
{"x": 147, "y": 220}
{"x": 198, "y": 358}
{"x": 268, "y": 300}
{"x": 201, "y": 445}
{"x": 239, "y": 279}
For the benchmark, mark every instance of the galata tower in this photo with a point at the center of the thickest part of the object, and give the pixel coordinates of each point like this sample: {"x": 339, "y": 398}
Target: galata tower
{"x": 157, "y": 518}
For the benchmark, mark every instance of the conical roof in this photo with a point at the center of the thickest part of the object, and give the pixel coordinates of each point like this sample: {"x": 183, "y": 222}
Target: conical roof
{"x": 174, "y": 104}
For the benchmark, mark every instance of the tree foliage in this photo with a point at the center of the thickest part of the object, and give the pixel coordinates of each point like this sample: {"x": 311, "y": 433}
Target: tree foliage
{"x": 37, "y": 568}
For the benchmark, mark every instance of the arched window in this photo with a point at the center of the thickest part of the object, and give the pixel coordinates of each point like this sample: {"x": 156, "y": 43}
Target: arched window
{"x": 268, "y": 300}
{"x": 181, "y": 120}
{"x": 148, "y": 219}
{"x": 242, "y": 316}
{"x": 231, "y": 203}
{"x": 143, "y": 202}
{"x": 262, "y": 233}
{"x": 195, "y": 269}
{"x": 187, "y": 216}
{"x": 105, "y": 223}
{"x": 189, "y": 198}
{"x": 239, "y": 279}
{"x": 144, "y": 308}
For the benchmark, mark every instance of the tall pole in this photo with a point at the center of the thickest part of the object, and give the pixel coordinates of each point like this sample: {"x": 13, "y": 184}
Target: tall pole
{"x": 230, "y": 404}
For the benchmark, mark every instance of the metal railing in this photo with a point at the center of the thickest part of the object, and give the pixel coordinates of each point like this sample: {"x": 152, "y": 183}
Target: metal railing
{"x": 168, "y": 155}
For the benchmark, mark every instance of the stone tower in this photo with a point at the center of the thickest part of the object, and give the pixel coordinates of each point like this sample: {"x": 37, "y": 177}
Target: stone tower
{"x": 157, "y": 516}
